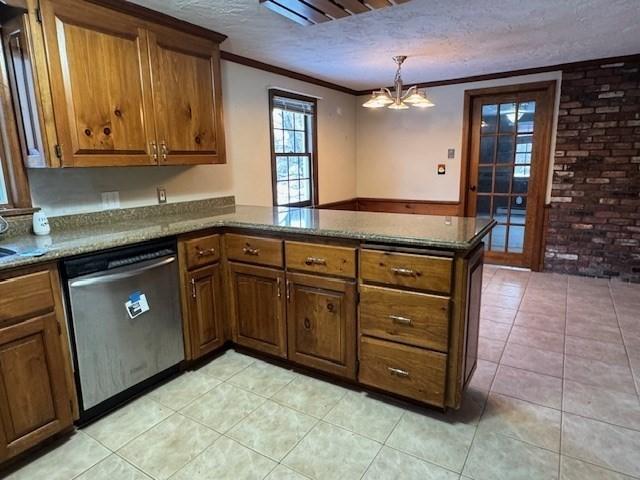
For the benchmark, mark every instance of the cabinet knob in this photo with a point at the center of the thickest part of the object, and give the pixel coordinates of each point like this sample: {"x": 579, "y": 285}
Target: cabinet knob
{"x": 307, "y": 324}
{"x": 251, "y": 251}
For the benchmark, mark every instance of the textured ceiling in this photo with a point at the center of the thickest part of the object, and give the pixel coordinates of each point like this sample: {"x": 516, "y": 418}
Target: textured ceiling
{"x": 444, "y": 39}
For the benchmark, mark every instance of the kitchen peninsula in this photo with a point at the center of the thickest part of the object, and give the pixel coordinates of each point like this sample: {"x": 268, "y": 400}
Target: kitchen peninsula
{"x": 390, "y": 302}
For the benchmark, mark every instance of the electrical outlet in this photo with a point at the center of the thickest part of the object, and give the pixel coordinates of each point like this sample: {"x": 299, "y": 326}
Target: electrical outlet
{"x": 442, "y": 169}
{"x": 162, "y": 195}
{"x": 110, "y": 200}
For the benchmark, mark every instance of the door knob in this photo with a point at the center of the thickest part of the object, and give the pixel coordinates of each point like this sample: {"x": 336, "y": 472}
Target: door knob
{"x": 472, "y": 188}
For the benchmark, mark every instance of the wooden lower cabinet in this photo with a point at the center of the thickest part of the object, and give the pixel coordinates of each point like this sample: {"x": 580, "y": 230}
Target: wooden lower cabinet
{"x": 408, "y": 371}
{"x": 321, "y": 319}
{"x": 35, "y": 397}
{"x": 258, "y": 308}
{"x": 206, "y": 329}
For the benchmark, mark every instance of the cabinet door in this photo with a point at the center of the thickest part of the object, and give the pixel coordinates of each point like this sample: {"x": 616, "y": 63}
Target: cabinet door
{"x": 187, "y": 98}
{"x": 101, "y": 85}
{"x": 34, "y": 403}
{"x": 321, "y": 316}
{"x": 258, "y": 309}
{"x": 205, "y": 310}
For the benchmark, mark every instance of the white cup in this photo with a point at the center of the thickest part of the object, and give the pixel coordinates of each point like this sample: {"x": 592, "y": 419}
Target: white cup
{"x": 41, "y": 224}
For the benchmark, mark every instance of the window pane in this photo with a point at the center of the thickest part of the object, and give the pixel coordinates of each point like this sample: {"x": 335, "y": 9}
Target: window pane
{"x": 520, "y": 181}
{"x": 305, "y": 170}
{"x": 489, "y": 117}
{"x": 282, "y": 168}
{"x": 483, "y": 209}
{"x": 485, "y": 179}
{"x": 498, "y": 235}
{"x": 522, "y": 172}
{"x": 503, "y": 179}
{"x": 507, "y": 117}
{"x": 487, "y": 147}
{"x": 516, "y": 239}
{"x": 526, "y": 116}
{"x": 300, "y": 144}
{"x": 523, "y": 149}
{"x": 305, "y": 190}
{"x": 289, "y": 142}
{"x": 3, "y": 189}
{"x": 294, "y": 169}
{"x": 518, "y": 210}
{"x": 278, "y": 142}
{"x": 277, "y": 118}
{"x": 505, "y": 149}
{"x": 299, "y": 121}
{"x": 500, "y": 209}
{"x": 294, "y": 191}
{"x": 283, "y": 193}
{"x": 288, "y": 119}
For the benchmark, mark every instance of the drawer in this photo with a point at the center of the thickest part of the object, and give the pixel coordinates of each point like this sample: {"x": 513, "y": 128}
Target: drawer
{"x": 311, "y": 257}
{"x": 202, "y": 251}
{"x": 408, "y": 371}
{"x": 413, "y": 318}
{"x": 419, "y": 272}
{"x": 25, "y": 296}
{"x": 258, "y": 250}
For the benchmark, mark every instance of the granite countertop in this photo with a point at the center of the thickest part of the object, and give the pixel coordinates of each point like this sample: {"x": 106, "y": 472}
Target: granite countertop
{"x": 94, "y": 232}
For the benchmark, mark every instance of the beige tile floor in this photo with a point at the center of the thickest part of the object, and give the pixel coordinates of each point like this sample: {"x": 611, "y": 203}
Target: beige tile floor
{"x": 555, "y": 395}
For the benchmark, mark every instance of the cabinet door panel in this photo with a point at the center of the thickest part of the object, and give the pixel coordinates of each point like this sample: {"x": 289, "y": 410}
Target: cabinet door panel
{"x": 101, "y": 85}
{"x": 34, "y": 403}
{"x": 186, "y": 98}
{"x": 321, "y": 318}
{"x": 258, "y": 309}
{"x": 205, "y": 310}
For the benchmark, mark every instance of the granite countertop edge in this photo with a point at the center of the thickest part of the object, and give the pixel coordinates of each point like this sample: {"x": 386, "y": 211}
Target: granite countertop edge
{"x": 99, "y": 242}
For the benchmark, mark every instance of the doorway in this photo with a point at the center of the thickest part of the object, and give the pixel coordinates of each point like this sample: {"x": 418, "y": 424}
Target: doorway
{"x": 507, "y": 139}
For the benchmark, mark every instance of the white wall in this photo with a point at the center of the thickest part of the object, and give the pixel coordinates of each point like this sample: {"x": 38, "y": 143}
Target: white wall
{"x": 247, "y": 174}
{"x": 398, "y": 151}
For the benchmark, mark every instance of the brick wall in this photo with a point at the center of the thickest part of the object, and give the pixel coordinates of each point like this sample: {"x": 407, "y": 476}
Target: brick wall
{"x": 594, "y": 221}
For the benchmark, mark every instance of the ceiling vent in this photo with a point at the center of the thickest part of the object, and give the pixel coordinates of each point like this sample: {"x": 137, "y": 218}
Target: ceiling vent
{"x": 311, "y": 12}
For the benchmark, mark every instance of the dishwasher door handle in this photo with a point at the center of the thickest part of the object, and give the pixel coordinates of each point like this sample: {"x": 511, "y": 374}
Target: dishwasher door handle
{"x": 114, "y": 277}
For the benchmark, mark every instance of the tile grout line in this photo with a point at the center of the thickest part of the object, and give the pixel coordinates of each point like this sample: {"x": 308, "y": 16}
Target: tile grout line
{"x": 624, "y": 344}
{"x": 564, "y": 357}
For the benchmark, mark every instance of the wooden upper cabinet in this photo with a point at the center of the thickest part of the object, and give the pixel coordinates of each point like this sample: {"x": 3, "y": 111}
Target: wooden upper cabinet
{"x": 187, "y": 98}
{"x": 124, "y": 90}
{"x": 101, "y": 85}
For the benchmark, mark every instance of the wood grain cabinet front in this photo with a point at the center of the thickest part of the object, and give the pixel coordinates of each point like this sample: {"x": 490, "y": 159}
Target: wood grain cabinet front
{"x": 36, "y": 392}
{"x": 324, "y": 259}
{"x": 258, "y": 308}
{"x": 321, "y": 318}
{"x": 206, "y": 310}
{"x": 417, "y": 272}
{"x": 125, "y": 90}
{"x": 256, "y": 250}
{"x": 408, "y": 371}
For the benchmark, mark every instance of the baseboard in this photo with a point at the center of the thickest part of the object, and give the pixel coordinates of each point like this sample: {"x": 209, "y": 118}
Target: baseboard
{"x": 395, "y": 205}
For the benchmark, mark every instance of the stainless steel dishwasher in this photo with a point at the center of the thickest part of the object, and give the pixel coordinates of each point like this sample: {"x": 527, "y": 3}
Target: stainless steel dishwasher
{"x": 125, "y": 321}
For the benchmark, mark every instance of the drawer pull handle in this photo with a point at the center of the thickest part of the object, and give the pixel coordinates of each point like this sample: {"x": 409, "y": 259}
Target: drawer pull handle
{"x": 251, "y": 251}
{"x": 404, "y": 272}
{"x": 398, "y": 373}
{"x": 315, "y": 261}
{"x": 400, "y": 320}
{"x": 207, "y": 252}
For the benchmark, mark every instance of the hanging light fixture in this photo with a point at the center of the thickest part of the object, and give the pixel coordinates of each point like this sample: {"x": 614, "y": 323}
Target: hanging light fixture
{"x": 398, "y": 100}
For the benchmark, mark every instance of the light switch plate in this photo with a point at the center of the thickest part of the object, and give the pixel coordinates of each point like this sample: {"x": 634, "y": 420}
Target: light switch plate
{"x": 162, "y": 195}
{"x": 451, "y": 153}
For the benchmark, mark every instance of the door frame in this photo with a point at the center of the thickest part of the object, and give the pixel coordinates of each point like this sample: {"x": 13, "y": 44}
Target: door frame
{"x": 547, "y": 89}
